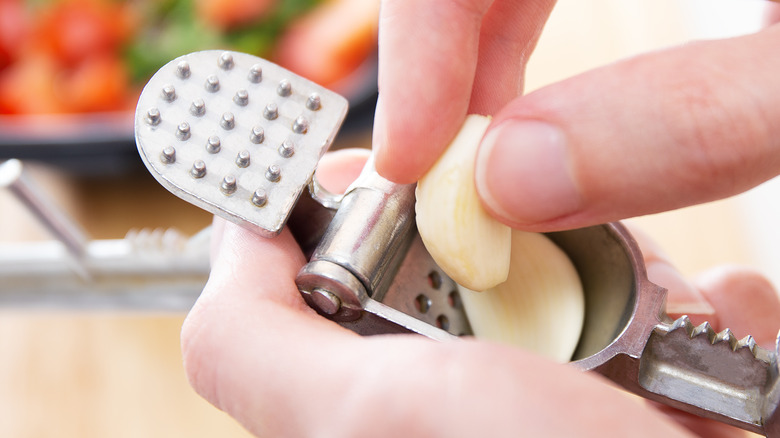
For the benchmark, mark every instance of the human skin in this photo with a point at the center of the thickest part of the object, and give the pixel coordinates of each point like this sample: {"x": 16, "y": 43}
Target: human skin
{"x": 254, "y": 349}
{"x": 655, "y": 132}
{"x": 701, "y": 122}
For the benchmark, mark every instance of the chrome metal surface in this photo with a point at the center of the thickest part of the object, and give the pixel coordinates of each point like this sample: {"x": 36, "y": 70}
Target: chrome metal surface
{"x": 370, "y": 272}
{"x": 147, "y": 270}
{"x": 150, "y": 270}
{"x": 14, "y": 178}
{"x": 198, "y": 113}
{"x": 628, "y": 338}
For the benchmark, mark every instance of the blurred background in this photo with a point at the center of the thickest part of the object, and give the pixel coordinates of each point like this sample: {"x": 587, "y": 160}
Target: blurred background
{"x": 70, "y": 72}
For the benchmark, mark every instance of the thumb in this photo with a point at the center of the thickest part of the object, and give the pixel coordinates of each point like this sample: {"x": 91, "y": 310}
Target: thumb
{"x": 653, "y": 133}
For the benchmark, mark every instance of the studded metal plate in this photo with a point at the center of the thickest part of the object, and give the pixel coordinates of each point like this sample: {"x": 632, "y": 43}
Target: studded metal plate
{"x": 235, "y": 134}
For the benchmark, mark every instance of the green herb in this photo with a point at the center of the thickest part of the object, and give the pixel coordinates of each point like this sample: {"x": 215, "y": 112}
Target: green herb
{"x": 171, "y": 29}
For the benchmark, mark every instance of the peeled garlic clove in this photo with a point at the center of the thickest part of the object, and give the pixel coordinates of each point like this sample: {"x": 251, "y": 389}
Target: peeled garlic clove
{"x": 464, "y": 240}
{"x": 540, "y": 307}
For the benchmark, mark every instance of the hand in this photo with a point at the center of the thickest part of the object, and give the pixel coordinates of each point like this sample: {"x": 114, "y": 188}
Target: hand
{"x": 254, "y": 349}
{"x": 655, "y": 132}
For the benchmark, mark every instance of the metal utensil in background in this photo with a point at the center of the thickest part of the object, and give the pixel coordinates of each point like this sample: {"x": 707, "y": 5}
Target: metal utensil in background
{"x": 147, "y": 270}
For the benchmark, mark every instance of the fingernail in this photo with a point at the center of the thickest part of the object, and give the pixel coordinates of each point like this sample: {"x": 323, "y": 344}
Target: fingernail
{"x": 522, "y": 173}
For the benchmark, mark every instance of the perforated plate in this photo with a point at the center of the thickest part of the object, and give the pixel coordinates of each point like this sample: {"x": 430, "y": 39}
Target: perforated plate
{"x": 235, "y": 134}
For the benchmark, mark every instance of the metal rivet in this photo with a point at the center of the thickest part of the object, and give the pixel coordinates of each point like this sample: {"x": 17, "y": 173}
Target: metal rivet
{"x": 287, "y": 149}
{"x": 228, "y": 185}
{"x": 258, "y": 135}
{"x": 313, "y": 102}
{"x": 259, "y": 197}
{"x": 300, "y": 125}
{"x": 228, "y": 121}
{"x": 169, "y": 93}
{"x": 153, "y": 116}
{"x": 242, "y": 159}
{"x": 183, "y": 70}
{"x": 198, "y": 107}
{"x": 213, "y": 145}
{"x": 271, "y": 111}
{"x": 326, "y": 302}
{"x": 284, "y": 89}
{"x": 183, "y": 131}
{"x": 212, "y": 84}
{"x": 226, "y": 61}
{"x": 255, "y": 74}
{"x": 198, "y": 169}
{"x": 168, "y": 155}
{"x": 241, "y": 98}
{"x": 274, "y": 173}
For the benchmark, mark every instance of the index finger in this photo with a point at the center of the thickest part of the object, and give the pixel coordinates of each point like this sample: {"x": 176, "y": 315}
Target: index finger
{"x": 427, "y": 59}
{"x": 438, "y": 60}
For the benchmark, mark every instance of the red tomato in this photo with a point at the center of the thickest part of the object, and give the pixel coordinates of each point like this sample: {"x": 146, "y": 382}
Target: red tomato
{"x": 14, "y": 30}
{"x": 226, "y": 14}
{"x": 74, "y": 30}
{"x": 332, "y": 41}
{"x": 99, "y": 83}
{"x": 29, "y": 86}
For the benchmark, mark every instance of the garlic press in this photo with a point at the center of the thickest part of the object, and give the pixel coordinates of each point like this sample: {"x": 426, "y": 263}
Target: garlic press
{"x": 241, "y": 137}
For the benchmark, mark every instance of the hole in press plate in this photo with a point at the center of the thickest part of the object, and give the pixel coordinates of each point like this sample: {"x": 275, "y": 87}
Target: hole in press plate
{"x": 434, "y": 280}
{"x": 443, "y": 322}
{"x": 453, "y": 299}
{"x": 422, "y": 303}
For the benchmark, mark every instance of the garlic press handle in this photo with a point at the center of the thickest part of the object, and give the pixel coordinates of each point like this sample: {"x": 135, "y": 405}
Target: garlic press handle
{"x": 712, "y": 375}
{"x": 628, "y": 338}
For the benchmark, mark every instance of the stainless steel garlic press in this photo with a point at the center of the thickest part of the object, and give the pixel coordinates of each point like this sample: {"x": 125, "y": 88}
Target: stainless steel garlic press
{"x": 241, "y": 137}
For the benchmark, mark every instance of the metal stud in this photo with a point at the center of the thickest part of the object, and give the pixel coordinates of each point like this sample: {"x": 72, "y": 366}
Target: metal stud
{"x": 228, "y": 121}
{"x": 153, "y": 116}
{"x": 183, "y": 70}
{"x": 226, "y": 61}
{"x": 300, "y": 125}
{"x": 325, "y": 301}
{"x": 287, "y": 149}
{"x": 284, "y": 89}
{"x": 212, "y": 84}
{"x": 271, "y": 111}
{"x": 183, "y": 131}
{"x": 169, "y": 93}
{"x": 314, "y": 102}
{"x": 198, "y": 107}
{"x": 242, "y": 159}
{"x": 259, "y": 198}
{"x": 255, "y": 74}
{"x": 258, "y": 135}
{"x": 274, "y": 173}
{"x": 228, "y": 185}
{"x": 198, "y": 169}
{"x": 213, "y": 145}
{"x": 241, "y": 98}
{"x": 168, "y": 155}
